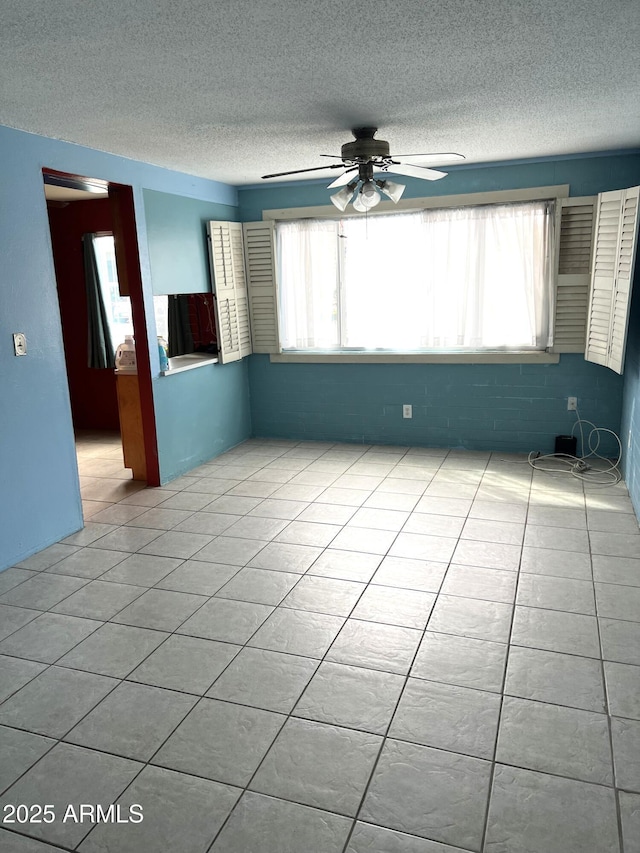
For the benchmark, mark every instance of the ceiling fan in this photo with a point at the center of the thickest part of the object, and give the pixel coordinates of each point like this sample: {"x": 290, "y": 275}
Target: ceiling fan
{"x": 362, "y": 160}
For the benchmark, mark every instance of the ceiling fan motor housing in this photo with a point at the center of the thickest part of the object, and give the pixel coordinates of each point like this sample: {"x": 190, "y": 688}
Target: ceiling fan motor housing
{"x": 365, "y": 147}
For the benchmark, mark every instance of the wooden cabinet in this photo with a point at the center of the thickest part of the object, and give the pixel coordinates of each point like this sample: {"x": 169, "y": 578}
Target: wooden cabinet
{"x": 131, "y": 424}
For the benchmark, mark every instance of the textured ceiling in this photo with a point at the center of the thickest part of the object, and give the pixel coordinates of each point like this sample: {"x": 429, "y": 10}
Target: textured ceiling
{"x": 233, "y": 90}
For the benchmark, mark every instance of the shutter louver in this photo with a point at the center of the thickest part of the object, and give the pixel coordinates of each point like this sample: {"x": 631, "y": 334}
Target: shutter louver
{"x": 259, "y": 248}
{"x": 576, "y": 220}
{"x": 612, "y": 275}
{"x": 230, "y": 290}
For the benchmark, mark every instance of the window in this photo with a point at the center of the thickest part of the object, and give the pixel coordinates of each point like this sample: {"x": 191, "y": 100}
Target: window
{"x": 475, "y": 278}
{"x": 118, "y": 308}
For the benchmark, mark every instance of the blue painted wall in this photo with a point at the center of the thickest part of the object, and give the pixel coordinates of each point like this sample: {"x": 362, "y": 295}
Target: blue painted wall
{"x": 204, "y": 411}
{"x": 631, "y": 401}
{"x": 508, "y": 407}
{"x": 176, "y": 231}
{"x": 39, "y": 492}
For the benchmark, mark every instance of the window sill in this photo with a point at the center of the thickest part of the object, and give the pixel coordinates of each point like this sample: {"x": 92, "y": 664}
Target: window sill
{"x": 415, "y": 358}
{"x": 180, "y": 363}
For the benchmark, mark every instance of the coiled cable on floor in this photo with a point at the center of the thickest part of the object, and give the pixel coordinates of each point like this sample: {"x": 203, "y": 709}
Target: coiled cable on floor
{"x": 578, "y": 466}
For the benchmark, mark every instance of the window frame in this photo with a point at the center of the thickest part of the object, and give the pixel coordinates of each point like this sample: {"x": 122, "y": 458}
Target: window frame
{"x": 557, "y": 192}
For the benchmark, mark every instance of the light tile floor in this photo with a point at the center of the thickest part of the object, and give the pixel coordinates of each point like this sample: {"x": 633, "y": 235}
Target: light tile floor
{"x": 321, "y": 648}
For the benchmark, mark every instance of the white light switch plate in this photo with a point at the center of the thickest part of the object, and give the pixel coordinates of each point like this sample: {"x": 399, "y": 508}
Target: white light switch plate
{"x": 20, "y": 343}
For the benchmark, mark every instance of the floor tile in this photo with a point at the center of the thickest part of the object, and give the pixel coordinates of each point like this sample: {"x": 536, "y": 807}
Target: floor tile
{"x": 615, "y": 544}
{"x": 471, "y": 617}
{"x": 621, "y": 570}
{"x": 48, "y": 637}
{"x": 431, "y": 524}
{"x": 298, "y": 632}
{"x": 618, "y": 602}
{"x": 14, "y": 618}
{"x": 127, "y": 539}
{"x": 207, "y": 523}
{"x": 489, "y": 555}
{"x": 324, "y": 595}
{"x": 379, "y": 519}
{"x": 177, "y": 544}
{"x": 198, "y": 577}
{"x": 226, "y": 620}
{"x": 557, "y": 678}
{"x": 261, "y": 586}
{"x": 318, "y": 765}
{"x": 364, "y": 539}
{"x": 560, "y": 538}
{"x": 261, "y": 824}
{"x": 160, "y": 609}
{"x": 376, "y": 646}
{"x": 444, "y": 506}
{"x": 625, "y": 735}
{"x": 141, "y": 570}
{"x": 394, "y": 606}
{"x": 15, "y": 673}
{"x": 422, "y": 575}
{"x": 229, "y": 550}
{"x": 418, "y": 546}
{"x": 134, "y": 720}
{"x": 556, "y": 631}
{"x": 484, "y": 530}
{"x": 620, "y": 640}
{"x": 630, "y": 816}
{"x": 18, "y": 752}
{"x": 476, "y": 582}
{"x": 256, "y": 527}
{"x": 42, "y": 591}
{"x": 70, "y": 775}
{"x": 220, "y": 741}
{"x": 54, "y": 701}
{"x": 308, "y": 533}
{"x": 282, "y": 557}
{"x": 464, "y": 661}
{"x": 553, "y": 739}
{"x": 567, "y": 594}
{"x": 325, "y": 513}
{"x": 430, "y": 793}
{"x": 185, "y": 663}
{"x": 623, "y": 689}
{"x": 47, "y": 557}
{"x": 180, "y": 813}
{"x": 493, "y": 511}
{"x": 350, "y": 696}
{"x": 367, "y": 838}
{"x": 565, "y": 564}
{"x": 99, "y": 600}
{"x": 345, "y": 565}
{"x": 264, "y": 679}
{"x": 531, "y": 812}
{"x": 612, "y": 522}
{"x": 113, "y": 650}
{"x": 88, "y": 562}
{"x": 556, "y": 517}
{"x": 233, "y": 504}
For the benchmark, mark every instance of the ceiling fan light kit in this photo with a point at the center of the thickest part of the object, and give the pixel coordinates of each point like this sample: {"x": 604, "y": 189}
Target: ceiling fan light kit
{"x": 364, "y": 158}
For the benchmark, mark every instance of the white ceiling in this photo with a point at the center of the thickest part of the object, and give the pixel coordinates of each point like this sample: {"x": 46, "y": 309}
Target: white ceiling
{"x": 234, "y": 89}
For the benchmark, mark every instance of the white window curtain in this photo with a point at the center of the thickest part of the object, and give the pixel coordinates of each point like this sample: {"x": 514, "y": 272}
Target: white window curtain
{"x": 309, "y": 277}
{"x": 464, "y": 279}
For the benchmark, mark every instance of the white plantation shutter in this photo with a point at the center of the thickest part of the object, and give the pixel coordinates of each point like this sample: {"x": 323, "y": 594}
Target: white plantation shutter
{"x": 260, "y": 261}
{"x": 612, "y": 276}
{"x": 226, "y": 254}
{"x": 574, "y": 225}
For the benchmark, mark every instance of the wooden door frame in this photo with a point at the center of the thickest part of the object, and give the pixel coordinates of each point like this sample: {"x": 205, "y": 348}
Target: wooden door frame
{"x": 128, "y": 262}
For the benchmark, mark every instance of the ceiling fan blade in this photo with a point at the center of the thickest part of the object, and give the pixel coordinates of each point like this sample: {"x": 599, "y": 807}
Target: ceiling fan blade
{"x": 414, "y": 171}
{"x": 299, "y": 171}
{"x": 438, "y": 156}
{"x": 342, "y": 180}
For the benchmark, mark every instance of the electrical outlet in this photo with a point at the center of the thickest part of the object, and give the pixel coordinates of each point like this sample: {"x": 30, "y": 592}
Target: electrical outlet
{"x": 19, "y": 343}
{"x": 572, "y": 404}
{"x": 407, "y": 410}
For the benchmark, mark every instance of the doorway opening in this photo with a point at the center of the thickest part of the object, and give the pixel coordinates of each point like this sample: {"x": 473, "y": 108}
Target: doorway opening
{"x": 112, "y": 413}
